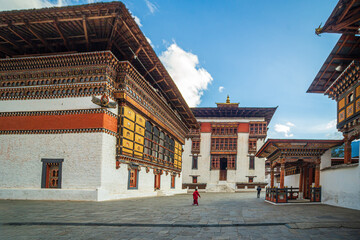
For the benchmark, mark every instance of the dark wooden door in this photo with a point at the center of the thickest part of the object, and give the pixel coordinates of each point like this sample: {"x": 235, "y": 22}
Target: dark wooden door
{"x": 223, "y": 169}
{"x": 223, "y": 175}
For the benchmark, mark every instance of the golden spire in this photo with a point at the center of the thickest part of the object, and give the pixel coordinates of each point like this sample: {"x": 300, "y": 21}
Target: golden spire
{"x": 227, "y": 99}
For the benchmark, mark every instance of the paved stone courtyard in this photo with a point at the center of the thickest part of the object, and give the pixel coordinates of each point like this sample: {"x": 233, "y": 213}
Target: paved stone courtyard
{"x": 219, "y": 216}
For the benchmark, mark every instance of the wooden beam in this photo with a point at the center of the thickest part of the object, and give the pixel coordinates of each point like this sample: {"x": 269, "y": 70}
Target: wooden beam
{"x": 149, "y": 71}
{"x": 86, "y": 33}
{"x": 345, "y": 11}
{"x": 59, "y": 20}
{"x": 57, "y": 27}
{"x": 11, "y": 28}
{"x": 39, "y": 37}
{"x": 161, "y": 80}
{"x": 113, "y": 32}
{"x": 347, "y": 22}
{"x": 7, "y": 51}
{"x": 120, "y": 50}
{"x": 11, "y": 41}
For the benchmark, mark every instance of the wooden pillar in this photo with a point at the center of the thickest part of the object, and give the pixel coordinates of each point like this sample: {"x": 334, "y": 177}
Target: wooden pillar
{"x": 347, "y": 150}
{"x": 272, "y": 176}
{"x": 282, "y": 174}
{"x": 317, "y": 173}
{"x": 305, "y": 185}
{"x": 311, "y": 172}
{"x": 301, "y": 179}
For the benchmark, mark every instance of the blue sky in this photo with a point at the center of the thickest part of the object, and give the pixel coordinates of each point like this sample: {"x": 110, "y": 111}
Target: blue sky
{"x": 262, "y": 53}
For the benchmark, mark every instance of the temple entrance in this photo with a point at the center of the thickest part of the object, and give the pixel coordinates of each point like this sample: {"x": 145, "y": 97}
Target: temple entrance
{"x": 223, "y": 169}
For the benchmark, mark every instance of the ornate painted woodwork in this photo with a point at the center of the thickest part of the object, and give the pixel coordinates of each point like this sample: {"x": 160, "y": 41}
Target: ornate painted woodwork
{"x": 122, "y": 37}
{"x": 144, "y": 140}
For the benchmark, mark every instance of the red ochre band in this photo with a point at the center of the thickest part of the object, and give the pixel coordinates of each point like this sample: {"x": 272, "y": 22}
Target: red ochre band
{"x": 58, "y": 122}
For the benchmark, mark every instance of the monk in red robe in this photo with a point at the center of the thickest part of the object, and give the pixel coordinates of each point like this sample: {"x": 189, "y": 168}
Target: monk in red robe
{"x": 196, "y": 195}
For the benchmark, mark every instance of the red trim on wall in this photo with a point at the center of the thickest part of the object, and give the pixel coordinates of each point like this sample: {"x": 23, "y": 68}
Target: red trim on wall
{"x": 58, "y": 122}
{"x": 243, "y": 128}
{"x": 205, "y": 127}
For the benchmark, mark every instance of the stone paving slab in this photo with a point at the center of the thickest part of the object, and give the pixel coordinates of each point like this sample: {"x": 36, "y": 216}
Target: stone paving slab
{"x": 219, "y": 216}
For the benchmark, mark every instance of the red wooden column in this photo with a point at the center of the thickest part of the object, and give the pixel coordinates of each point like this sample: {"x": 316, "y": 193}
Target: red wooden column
{"x": 317, "y": 173}
{"x": 301, "y": 179}
{"x": 272, "y": 175}
{"x": 282, "y": 173}
{"x": 347, "y": 150}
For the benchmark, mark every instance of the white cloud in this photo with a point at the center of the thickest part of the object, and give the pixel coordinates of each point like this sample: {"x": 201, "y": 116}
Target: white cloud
{"x": 221, "y": 89}
{"x": 150, "y": 42}
{"x": 285, "y": 128}
{"x": 30, "y": 4}
{"x": 136, "y": 19}
{"x": 183, "y": 67}
{"x": 331, "y": 124}
{"x": 290, "y": 124}
{"x": 152, "y": 7}
{"x": 24, "y": 4}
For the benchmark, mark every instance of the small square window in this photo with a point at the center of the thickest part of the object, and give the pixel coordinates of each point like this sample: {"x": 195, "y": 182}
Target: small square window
{"x": 194, "y": 179}
{"x": 251, "y": 179}
{"x": 51, "y": 173}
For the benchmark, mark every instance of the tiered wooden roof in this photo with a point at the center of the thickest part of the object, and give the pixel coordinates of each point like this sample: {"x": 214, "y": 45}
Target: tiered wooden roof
{"x": 235, "y": 112}
{"x": 344, "y": 18}
{"x": 294, "y": 149}
{"x": 84, "y": 28}
{"x": 345, "y": 51}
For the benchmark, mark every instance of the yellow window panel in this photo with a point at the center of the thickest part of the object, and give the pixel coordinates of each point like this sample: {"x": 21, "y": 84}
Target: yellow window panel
{"x": 357, "y": 91}
{"x": 127, "y": 151}
{"x": 341, "y": 116}
{"x": 138, "y": 154}
{"x": 139, "y": 130}
{"x": 128, "y": 124}
{"x": 349, "y": 110}
{"x": 127, "y": 144}
{"x": 139, "y": 139}
{"x": 128, "y": 134}
{"x": 341, "y": 103}
{"x": 138, "y": 148}
{"x": 129, "y": 113}
{"x": 357, "y": 105}
{"x": 140, "y": 120}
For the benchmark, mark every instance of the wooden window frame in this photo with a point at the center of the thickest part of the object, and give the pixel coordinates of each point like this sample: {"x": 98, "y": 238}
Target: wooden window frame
{"x": 252, "y": 162}
{"x": 195, "y": 162}
{"x": 251, "y": 179}
{"x": 45, "y": 172}
{"x": 136, "y": 178}
{"x": 194, "y": 179}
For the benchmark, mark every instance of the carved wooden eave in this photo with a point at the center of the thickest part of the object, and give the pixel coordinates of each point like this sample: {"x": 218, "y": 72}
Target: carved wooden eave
{"x": 344, "y": 81}
{"x": 293, "y": 150}
{"x": 84, "y": 28}
{"x": 345, "y": 18}
{"x": 346, "y": 50}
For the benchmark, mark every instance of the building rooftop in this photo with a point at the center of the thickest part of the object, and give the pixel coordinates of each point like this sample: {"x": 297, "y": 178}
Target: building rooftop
{"x": 232, "y": 110}
{"x": 87, "y": 28}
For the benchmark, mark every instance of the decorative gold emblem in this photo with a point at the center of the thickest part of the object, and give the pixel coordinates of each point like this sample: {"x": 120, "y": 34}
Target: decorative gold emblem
{"x": 103, "y": 101}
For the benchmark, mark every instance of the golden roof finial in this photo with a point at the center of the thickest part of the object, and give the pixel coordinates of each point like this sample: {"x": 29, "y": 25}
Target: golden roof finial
{"x": 227, "y": 99}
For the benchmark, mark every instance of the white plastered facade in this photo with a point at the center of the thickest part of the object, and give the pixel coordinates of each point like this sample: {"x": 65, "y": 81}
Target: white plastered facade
{"x": 211, "y": 177}
{"x": 89, "y": 161}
